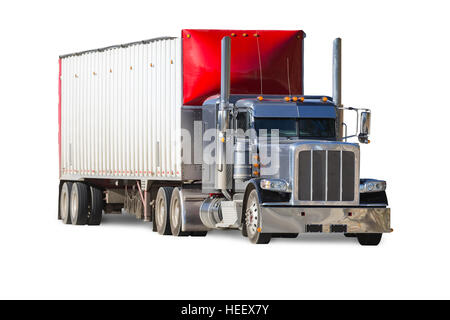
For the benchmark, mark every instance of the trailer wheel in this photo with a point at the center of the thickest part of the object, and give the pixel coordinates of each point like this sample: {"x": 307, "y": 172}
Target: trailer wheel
{"x": 64, "y": 202}
{"x": 369, "y": 239}
{"x": 253, "y": 220}
{"x": 79, "y": 203}
{"x": 175, "y": 214}
{"x": 96, "y": 207}
{"x": 162, "y": 207}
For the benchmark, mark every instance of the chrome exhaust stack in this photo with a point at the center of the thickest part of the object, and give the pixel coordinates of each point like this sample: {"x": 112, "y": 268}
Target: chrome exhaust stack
{"x": 223, "y": 179}
{"x": 337, "y": 84}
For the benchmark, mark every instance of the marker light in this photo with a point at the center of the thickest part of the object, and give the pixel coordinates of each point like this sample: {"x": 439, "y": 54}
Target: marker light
{"x": 301, "y": 99}
{"x": 260, "y": 98}
{"x": 287, "y": 99}
{"x": 324, "y": 99}
{"x": 294, "y": 99}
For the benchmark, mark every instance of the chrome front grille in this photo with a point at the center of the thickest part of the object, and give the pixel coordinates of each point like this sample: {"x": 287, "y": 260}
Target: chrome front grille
{"x": 327, "y": 175}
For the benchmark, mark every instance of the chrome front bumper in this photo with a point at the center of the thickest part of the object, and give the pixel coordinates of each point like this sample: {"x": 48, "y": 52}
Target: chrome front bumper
{"x": 277, "y": 219}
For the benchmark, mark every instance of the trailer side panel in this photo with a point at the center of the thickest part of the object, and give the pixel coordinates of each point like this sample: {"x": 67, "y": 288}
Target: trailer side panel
{"x": 120, "y": 112}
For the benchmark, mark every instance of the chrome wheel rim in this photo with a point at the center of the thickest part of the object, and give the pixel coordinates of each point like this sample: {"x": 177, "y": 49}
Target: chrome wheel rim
{"x": 64, "y": 205}
{"x": 176, "y": 213}
{"x": 252, "y": 216}
{"x": 74, "y": 205}
{"x": 160, "y": 212}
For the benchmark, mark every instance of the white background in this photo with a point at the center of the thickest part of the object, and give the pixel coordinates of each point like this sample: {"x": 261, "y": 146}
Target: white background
{"x": 396, "y": 60}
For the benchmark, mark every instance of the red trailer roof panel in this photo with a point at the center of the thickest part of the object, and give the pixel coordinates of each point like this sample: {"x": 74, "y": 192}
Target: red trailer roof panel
{"x": 262, "y": 62}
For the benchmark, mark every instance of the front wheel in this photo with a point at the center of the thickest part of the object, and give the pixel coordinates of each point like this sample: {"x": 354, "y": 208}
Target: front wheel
{"x": 253, "y": 220}
{"x": 369, "y": 239}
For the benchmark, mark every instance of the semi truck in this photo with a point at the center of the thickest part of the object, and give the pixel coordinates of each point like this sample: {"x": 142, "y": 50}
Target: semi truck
{"x": 209, "y": 131}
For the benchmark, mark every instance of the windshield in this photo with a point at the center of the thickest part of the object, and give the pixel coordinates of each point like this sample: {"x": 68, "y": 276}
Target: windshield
{"x": 303, "y": 128}
{"x": 286, "y": 127}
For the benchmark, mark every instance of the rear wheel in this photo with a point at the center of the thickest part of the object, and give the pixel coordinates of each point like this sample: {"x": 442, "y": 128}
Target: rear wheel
{"x": 96, "y": 207}
{"x": 369, "y": 239}
{"x": 79, "y": 203}
{"x": 175, "y": 214}
{"x": 162, "y": 210}
{"x": 64, "y": 202}
{"x": 253, "y": 220}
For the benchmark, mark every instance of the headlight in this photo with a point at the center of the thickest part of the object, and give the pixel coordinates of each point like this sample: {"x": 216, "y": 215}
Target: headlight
{"x": 371, "y": 185}
{"x": 275, "y": 185}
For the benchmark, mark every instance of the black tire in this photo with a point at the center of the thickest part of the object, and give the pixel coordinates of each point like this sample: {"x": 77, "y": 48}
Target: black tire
{"x": 79, "y": 203}
{"x": 154, "y": 221}
{"x": 64, "y": 202}
{"x": 253, "y": 221}
{"x": 176, "y": 214}
{"x": 350, "y": 235}
{"x": 369, "y": 239}
{"x": 59, "y": 197}
{"x": 95, "y": 207}
{"x": 162, "y": 210}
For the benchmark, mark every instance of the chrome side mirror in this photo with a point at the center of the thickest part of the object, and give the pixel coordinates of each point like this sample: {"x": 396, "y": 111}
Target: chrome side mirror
{"x": 364, "y": 128}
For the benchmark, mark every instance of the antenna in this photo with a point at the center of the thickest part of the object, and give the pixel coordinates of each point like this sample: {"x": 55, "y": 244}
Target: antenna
{"x": 288, "y": 77}
{"x": 260, "y": 66}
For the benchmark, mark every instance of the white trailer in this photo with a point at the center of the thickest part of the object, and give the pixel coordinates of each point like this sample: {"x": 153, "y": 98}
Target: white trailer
{"x": 120, "y": 112}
